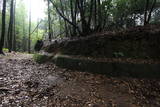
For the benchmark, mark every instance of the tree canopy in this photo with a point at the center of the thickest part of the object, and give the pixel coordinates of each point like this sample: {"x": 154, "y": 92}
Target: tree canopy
{"x": 72, "y": 18}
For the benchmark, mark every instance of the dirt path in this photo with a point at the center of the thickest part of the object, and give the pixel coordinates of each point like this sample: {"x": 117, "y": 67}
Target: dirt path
{"x": 24, "y": 83}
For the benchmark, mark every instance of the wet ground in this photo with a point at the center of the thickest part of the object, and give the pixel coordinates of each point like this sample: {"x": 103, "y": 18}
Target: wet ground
{"x": 25, "y": 83}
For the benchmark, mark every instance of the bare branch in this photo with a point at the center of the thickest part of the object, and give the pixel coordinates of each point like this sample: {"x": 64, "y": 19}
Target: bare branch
{"x": 36, "y": 27}
{"x": 61, "y": 14}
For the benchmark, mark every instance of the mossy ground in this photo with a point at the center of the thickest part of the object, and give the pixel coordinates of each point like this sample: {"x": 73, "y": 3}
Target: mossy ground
{"x": 41, "y": 58}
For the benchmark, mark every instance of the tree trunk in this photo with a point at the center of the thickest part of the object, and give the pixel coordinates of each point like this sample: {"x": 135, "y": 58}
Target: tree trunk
{"x": 91, "y": 13}
{"x": 95, "y": 14}
{"x": 49, "y": 22}
{"x": 64, "y": 18}
{"x": 0, "y": 6}
{"x": 150, "y": 11}
{"x": 85, "y": 27}
{"x": 65, "y": 23}
{"x": 24, "y": 44}
{"x": 73, "y": 15}
{"x": 29, "y": 36}
{"x": 99, "y": 16}
{"x": 3, "y": 27}
{"x": 14, "y": 29}
{"x": 10, "y": 29}
{"x": 145, "y": 12}
{"x": 37, "y": 29}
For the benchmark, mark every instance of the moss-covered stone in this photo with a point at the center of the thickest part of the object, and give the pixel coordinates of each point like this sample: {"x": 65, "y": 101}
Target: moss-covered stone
{"x": 108, "y": 68}
{"x": 41, "y": 58}
{"x": 5, "y": 50}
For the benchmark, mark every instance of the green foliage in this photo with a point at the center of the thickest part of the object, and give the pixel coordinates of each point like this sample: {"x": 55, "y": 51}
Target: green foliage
{"x": 22, "y": 25}
{"x": 35, "y": 36}
{"x": 108, "y": 14}
{"x": 105, "y": 15}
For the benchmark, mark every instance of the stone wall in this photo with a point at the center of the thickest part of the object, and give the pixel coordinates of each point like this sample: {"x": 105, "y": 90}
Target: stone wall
{"x": 140, "y": 42}
{"x": 114, "y": 68}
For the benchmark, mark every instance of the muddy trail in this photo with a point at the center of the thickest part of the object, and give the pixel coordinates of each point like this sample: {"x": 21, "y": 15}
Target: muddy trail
{"x": 25, "y": 83}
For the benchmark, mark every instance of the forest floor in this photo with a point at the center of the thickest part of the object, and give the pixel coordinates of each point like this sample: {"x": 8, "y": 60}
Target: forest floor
{"x": 25, "y": 83}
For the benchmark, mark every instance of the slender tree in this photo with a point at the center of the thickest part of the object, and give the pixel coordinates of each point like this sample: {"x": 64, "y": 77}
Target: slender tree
{"x": 148, "y": 11}
{"x": 151, "y": 10}
{"x": 64, "y": 17}
{"x": 60, "y": 21}
{"x": 73, "y": 15}
{"x": 95, "y": 14}
{"x": 0, "y": 5}
{"x": 24, "y": 43}
{"x": 29, "y": 34}
{"x": 10, "y": 29}
{"x": 49, "y": 22}
{"x": 3, "y": 27}
{"x": 14, "y": 28}
{"x": 99, "y": 15}
{"x": 37, "y": 28}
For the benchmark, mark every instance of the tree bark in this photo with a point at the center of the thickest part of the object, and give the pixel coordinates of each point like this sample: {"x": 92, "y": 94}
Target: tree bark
{"x": 3, "y": 27}
{"x": 49, "y": 22}
{"x": 14, "y": 28}
{"x": 63, "y": 13}
{"x": 145, "y": 11}
{"x": 73, "y": 18}
{"x": 10, "y": 29}
{"x": 24, "y": 44}
{"x": 95, "y": 14}
{"x": 99, "y": 16}
{"x": 0, "y": 6}
{"x": 29, "y": 34}
{"x": 85, "y": 27}
{"x": 150, "y": 12}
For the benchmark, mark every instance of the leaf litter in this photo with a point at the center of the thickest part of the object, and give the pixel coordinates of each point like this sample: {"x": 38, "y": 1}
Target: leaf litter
{"x": 25, "y": 83}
